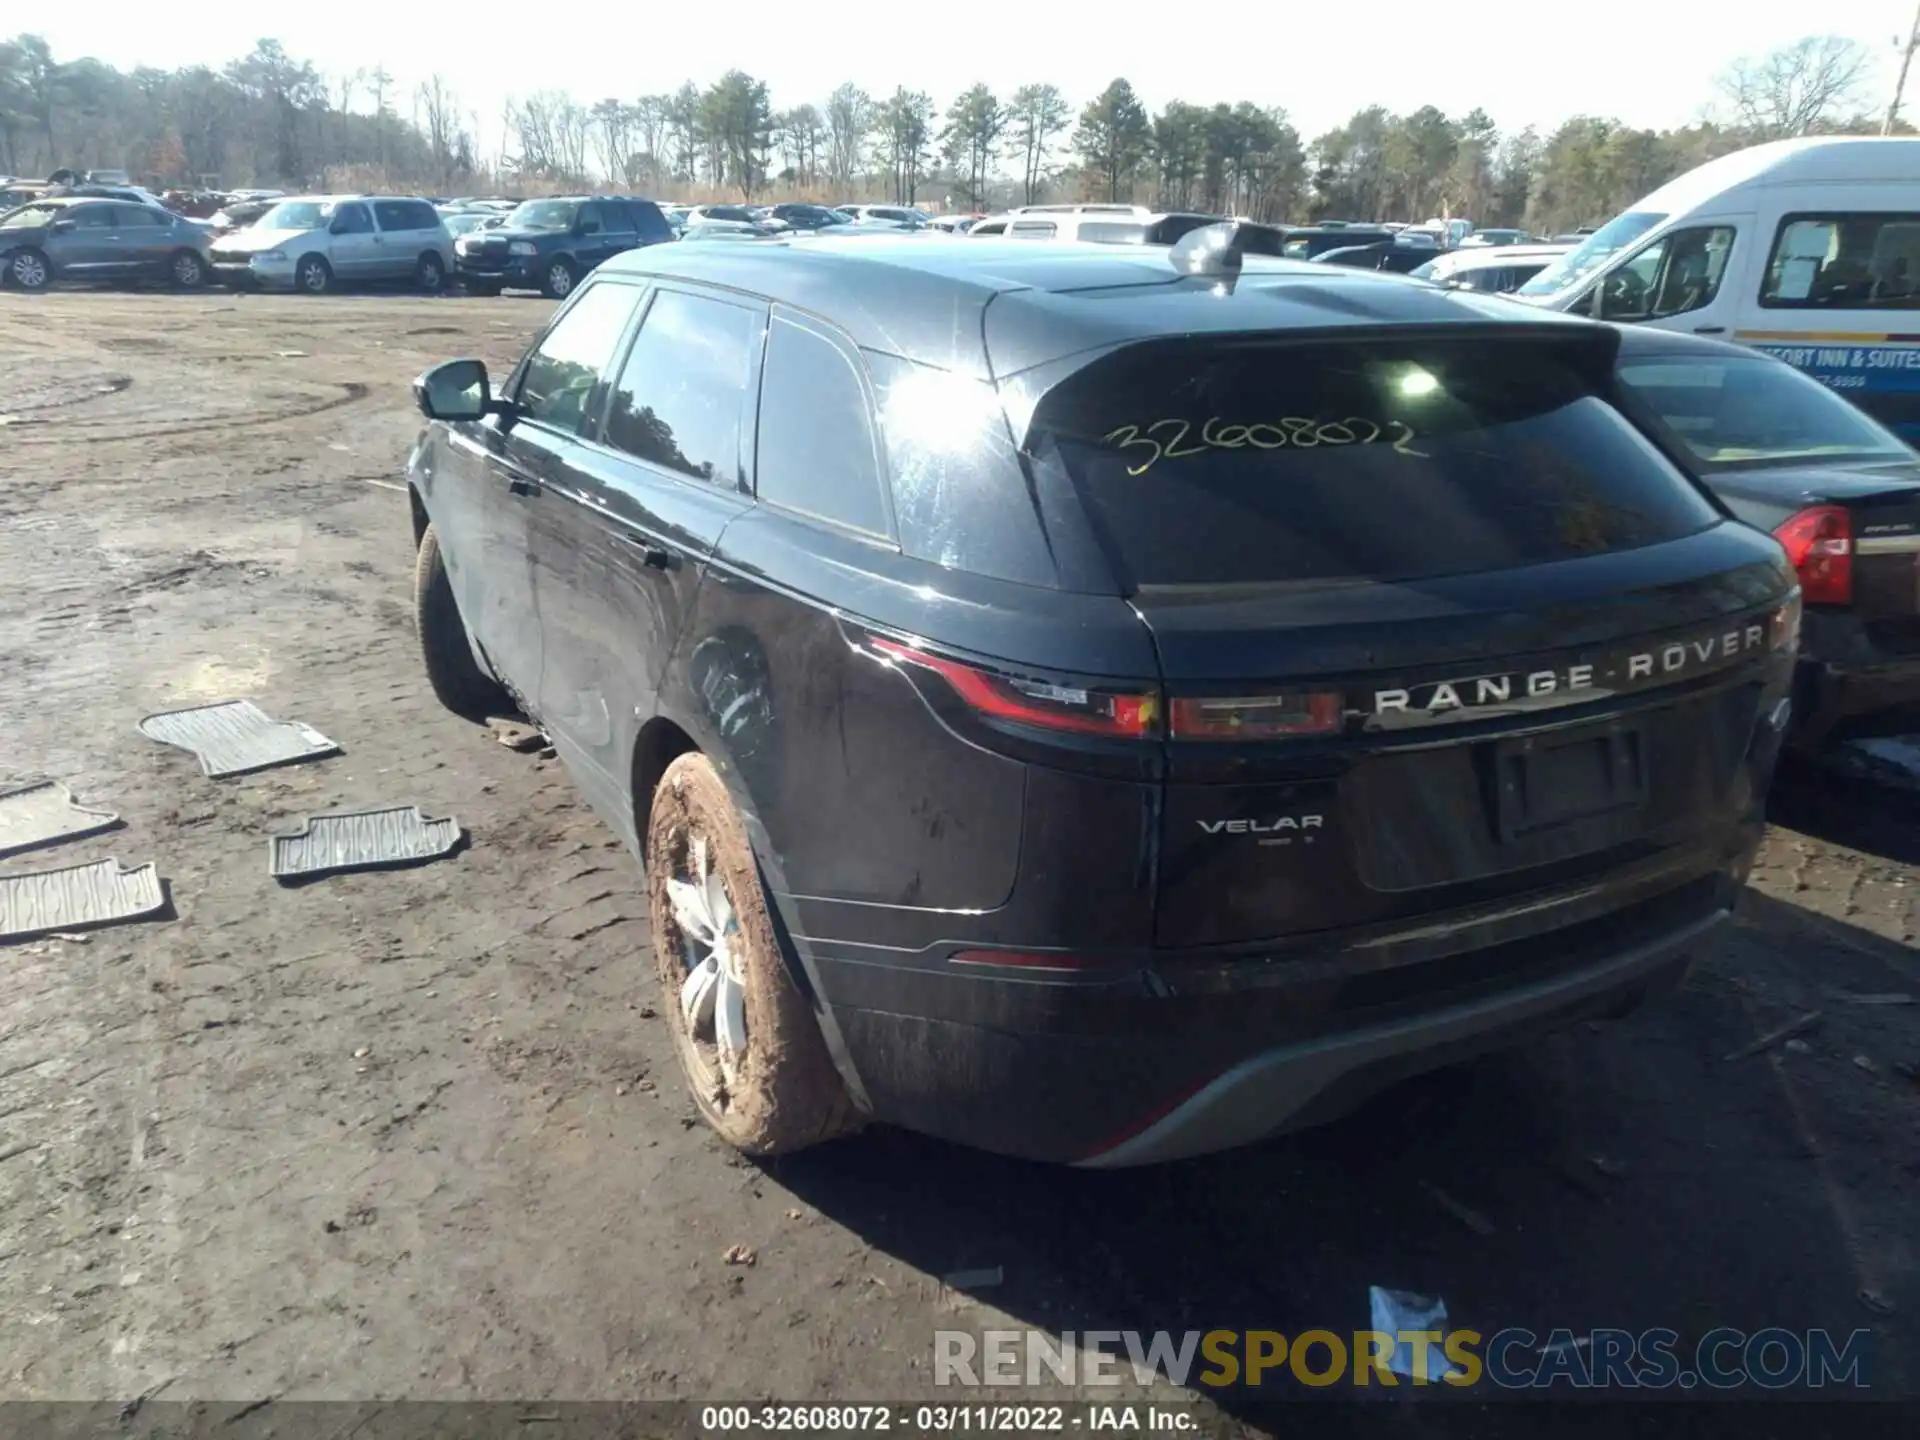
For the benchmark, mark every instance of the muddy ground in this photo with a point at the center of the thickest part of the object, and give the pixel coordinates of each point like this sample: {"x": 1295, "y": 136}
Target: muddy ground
{"x": 418, "y": 1133}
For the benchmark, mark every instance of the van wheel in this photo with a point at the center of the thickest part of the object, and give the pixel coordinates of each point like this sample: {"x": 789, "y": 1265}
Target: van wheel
{"x": 456, "y": 677}
{"x": 430, "y": 275}
{"x": 313, "y": 276}
{"x": 559, "y": 280}
{"x": 751, "y": 1049}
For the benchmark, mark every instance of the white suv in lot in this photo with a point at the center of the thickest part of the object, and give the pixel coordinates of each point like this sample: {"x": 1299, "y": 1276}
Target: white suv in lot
{"x": 316, "y": 242}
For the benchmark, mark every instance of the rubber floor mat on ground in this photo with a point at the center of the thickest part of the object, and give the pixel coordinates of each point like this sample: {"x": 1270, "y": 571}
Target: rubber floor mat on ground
{"x": 45, "y": 813}
{"x": 77, "y": 898}
{"x": 362, "y": 840}
{"x": 236, "y": 737}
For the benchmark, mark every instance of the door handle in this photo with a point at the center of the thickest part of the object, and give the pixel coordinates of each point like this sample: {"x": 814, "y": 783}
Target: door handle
{"x": 653, "y": 556}
{"x": 1709, "y": 329}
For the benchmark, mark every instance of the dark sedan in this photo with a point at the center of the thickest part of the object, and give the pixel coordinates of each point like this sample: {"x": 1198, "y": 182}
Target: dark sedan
{"x": 1098, "y": 703}
{"x": 1839, "y": 490}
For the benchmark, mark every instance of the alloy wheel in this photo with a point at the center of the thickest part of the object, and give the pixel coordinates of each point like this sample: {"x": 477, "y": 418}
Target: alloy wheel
{"x": 713, "y": 997}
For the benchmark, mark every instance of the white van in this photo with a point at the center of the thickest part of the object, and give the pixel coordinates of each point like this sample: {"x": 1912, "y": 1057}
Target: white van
{"x": 1807, "y": 249}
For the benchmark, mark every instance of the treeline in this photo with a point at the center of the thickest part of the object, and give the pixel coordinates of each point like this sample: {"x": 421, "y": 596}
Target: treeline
{"x": 272, "y": 119}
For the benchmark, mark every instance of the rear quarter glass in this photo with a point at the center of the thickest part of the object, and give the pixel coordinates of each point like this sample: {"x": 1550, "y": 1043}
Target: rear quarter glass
{"x": 1353, "y": 461}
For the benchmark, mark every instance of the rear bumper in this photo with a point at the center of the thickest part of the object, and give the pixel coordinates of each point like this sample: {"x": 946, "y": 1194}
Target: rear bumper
{"x": 1847, "y": 686}
{"x": 1294, "y": 1085}
{"x": 1182, "y": 1057}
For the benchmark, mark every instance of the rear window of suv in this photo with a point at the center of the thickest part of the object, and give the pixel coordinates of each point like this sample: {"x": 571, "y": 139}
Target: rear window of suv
{"x": 1354, "y": 461}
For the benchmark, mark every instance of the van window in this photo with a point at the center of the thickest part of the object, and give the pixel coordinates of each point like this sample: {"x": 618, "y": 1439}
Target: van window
{"x": 1679, "y": 272}
{"x": 1849, "y": 261}
{"x": 1111, "y": 232}
{"x": 1333, "y": 462}
{"x": 1593, "y": 252}
{"x": 816, "y": 442}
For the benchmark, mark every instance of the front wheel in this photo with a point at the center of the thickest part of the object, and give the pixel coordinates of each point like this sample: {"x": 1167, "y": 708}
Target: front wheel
{"x": 188, "y": 271}
{"x": 751, "y": 1049}
{"x": 558, "y": 281}
{"x": 29, "y": 270}
{"x": 313, "y": 276}
{"x": 456, "y": 677}
{"x": 430, "y": 275}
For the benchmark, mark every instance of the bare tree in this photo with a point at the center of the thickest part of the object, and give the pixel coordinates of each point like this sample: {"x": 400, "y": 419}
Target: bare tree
{"x": 575, "y": 134}
{"x": 850, "y": 119}
{"x": 381, "y": 84}
{"x": 1799, "y": 89}
{"x": 442, "y": 111}
{"x": 613, "y": 129}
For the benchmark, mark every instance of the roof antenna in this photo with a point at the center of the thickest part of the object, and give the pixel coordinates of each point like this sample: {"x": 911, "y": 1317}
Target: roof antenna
{"x": 1214, "y": 251}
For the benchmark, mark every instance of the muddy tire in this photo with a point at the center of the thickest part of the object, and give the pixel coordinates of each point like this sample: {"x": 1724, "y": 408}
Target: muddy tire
{"x": 456, "y": 677}
{"x": 777, "y": 1090}
{"x": 430, "y": 274}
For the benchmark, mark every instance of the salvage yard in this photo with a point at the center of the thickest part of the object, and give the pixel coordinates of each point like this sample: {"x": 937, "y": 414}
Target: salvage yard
{"x": 421, "y": 1133}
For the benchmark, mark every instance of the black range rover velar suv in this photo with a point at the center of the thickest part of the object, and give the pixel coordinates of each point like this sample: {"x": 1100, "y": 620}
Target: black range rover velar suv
{"x": 1105, "y": 704}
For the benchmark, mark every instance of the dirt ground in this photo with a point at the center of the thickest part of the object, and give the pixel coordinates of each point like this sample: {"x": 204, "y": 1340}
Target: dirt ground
{"x": 419, "y": 1134}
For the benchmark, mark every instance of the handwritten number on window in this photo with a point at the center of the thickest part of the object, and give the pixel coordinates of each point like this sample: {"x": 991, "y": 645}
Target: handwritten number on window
{"x": 1174, "y": 439}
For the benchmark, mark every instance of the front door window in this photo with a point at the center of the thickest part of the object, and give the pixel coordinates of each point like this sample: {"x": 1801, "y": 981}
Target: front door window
{"x": 1679, "y": 272}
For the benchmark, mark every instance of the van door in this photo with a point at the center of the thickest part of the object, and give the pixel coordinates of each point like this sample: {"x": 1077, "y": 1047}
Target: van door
{"x": 1837, "y": 295}
{"x": 1677, "y": 281}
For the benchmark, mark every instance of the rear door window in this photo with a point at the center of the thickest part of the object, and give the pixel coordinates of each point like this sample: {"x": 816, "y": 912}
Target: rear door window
{"x": 618, "y": 218}
{"x": 681, "y": 400}
{"x": 816, "y": 441}
{"x": 1354, "y": 462}
{"x": 352, "y": 220}
{"x": 650, "y": 223}
{"x": 1852, "y": 261}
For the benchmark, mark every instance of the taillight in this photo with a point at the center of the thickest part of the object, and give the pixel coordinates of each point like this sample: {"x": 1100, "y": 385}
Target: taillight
{"x": 1037, "y": 703}
{"x": 1255, "y": 717}
{"x": 1819, "y": 542}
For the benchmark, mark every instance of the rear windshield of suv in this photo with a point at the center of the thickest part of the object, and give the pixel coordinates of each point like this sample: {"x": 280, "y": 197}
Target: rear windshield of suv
{"x": 1354, "y": 461}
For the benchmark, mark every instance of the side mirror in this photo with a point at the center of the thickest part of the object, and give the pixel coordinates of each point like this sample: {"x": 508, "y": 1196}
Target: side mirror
{"x": 60, "y": 227}
{"x": 457, "y": 390}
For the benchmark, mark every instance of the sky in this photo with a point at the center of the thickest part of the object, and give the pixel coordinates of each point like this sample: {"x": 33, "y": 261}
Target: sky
{"x": 1651, "y": 67}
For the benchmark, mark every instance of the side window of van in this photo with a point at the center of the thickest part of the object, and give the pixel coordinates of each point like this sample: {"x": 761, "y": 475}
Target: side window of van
{"x": 1844, "y": 262}
{"x": 1680, "y": 271}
